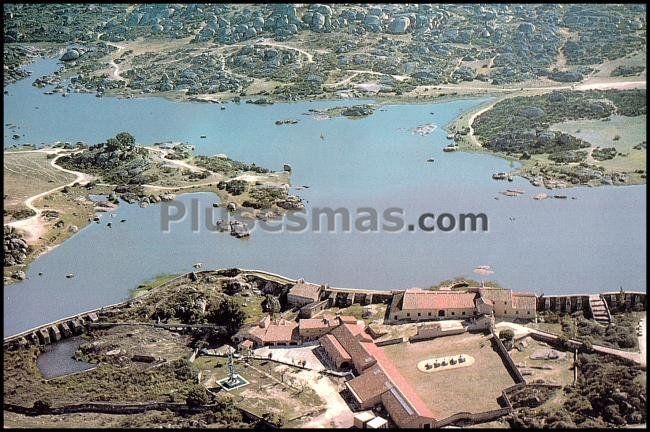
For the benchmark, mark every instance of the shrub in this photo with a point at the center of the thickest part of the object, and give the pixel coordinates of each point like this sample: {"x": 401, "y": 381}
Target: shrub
{"x": 507, "y": 334}
{"x": 197, "y": 396}
{"x": 42, "y": 405}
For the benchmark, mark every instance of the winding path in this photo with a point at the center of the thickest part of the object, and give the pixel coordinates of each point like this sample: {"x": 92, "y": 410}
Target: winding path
{"x": 33, "y": 225}
{"x": 115, "y": 72}
{"x": 177, "y": 162}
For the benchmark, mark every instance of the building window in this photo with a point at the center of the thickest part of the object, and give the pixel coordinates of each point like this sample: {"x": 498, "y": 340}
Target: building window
{"x": 419, "y": 314}
{"x": 463, "y": 313}
{"x": 408, "y": 314}
{"x": 395, "y": 316}
{"x": 528, "y": 312}
{"x": 429, "y": 313}
{"x": 453, "y": 313}
{"x": 516, "y": 312}
{"x": 505, "y": 303}
{"x": 441, "y": 313}
{"x": 505, "y": 312}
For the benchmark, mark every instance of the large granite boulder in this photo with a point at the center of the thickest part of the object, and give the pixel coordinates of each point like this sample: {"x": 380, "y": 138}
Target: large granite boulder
{"x": 70, "y": 55}
{"x": 399, "y": 25}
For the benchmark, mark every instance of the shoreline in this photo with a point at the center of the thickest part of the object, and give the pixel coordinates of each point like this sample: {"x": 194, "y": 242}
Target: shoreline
{"x": 152, "y": 287}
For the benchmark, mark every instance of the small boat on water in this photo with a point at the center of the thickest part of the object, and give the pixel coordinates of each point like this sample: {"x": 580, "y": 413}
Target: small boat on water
{"x": 198, "y": 265}
{"x": 509, "y": 193}
{"x": 499, "y": 176}
{"x": 203, "y": 136}
{"x": 559, "y": 196}
{"x": 70, "y": 275}
{"x": 322, "y": 136}
{"x": 431, "y": 160}
{"x": 517, "y": 191}
{"x": 483, "y": 267}
{"x": 450, "y": 136}
{"x": 450, "y": 148}
{"x": 540, "y": 196}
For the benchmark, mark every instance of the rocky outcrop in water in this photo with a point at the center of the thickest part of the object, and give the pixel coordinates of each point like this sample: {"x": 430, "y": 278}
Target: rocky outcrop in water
{"x": 15, "y": 247}
{"x": 118, "y": 160}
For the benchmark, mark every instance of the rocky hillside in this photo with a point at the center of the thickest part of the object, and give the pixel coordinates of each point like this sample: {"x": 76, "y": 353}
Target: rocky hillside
{"x": 118, "y": 160}
{"x": 520, "y": 124}
{"x": 298, "y": 49}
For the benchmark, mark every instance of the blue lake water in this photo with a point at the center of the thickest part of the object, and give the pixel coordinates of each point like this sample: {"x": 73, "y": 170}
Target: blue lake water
{"x": 593, "y": 243}
{"x": 57, "y": 359}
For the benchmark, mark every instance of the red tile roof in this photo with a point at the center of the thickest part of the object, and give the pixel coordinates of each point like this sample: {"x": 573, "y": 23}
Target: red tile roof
{"x": 496, "y": 294}
{"x": 405, "y": 389}
{"x": 246, "y": 344}
{"x": 416, "y": 298}
{"x": 319, "y": 323}
{"x": 282, "y": 332}
{"x": 350, "y": 336}
{"x": 334, "y": 348}
{"x": 348, "y": 319}
{"x": 516, "y": 300}
{"x": 370, "y": 384}
{"x": 524, "y": 301}
{"x": 376, "y": 369}
{"x": 306, "y": 290}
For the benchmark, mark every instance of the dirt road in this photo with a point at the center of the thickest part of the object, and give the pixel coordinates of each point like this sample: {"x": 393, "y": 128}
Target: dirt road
{"x": 34, "y": 226}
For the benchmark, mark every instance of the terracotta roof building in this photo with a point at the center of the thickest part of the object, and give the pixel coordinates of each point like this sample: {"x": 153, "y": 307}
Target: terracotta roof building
{"x": 508, "y": 304}
{"x": 335, "y": 352}
{"x": 378, "y": 380}
{"x": 268, "y": 333}
{"x": 313, "y": 328}
{"x": 418, "y": 304}
{"x": 303, "y": 293}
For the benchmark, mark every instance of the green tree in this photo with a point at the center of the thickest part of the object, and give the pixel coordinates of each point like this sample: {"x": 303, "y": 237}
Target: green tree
{"x": 125, "y": 138}
{"x": 42, "y": 405}
{"x": 507, "y": 334}
{"x": 271, "y": 304}
{"x": 197, "y": 396}
{"x": 228, "y": 314}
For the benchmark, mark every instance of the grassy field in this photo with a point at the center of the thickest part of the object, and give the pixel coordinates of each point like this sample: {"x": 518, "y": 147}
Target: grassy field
{"x": 273, "y": 388}
{"x": 560, "y": 372}
{"x": 144, "y": 287}
{"x": 472, "y": 389}
{"x": 73, "y": 209}
{"x": 148, "y": 419}
{"x": 27, "y": 174}
{"x": 24, "y": 384}
{"x": 251, "y": 305}
{"x": 629, "y": 130}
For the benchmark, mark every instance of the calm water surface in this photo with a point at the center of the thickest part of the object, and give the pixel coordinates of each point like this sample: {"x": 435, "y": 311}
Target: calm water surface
{"x": 593, "y": 243}
{"x": 57, "y": 359}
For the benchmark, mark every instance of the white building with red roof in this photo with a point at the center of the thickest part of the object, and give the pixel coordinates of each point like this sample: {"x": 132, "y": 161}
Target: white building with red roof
{"x": 418, "y": 305}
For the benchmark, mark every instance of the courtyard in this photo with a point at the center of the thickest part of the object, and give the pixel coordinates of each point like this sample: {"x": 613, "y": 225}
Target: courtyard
{"x": 474, "y": 388}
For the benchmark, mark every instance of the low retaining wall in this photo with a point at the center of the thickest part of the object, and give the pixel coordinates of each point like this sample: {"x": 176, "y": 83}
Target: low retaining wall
{"x": 507, "y": 360}
{"x": 482, "y": 417}
{"x": 627, "y": 300}
{"x": 569, "y": 303}
{"x": 109, "y": 408}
